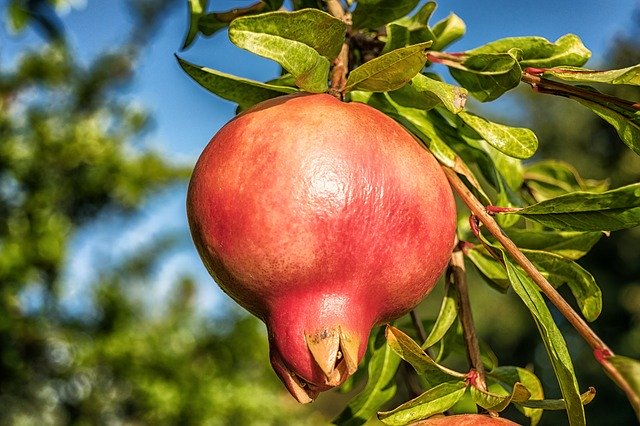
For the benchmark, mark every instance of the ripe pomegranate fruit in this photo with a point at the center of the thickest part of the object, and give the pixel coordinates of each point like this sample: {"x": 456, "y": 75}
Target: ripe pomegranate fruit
{"x": 466, "y": 420}
{"x": 322, "y": 218}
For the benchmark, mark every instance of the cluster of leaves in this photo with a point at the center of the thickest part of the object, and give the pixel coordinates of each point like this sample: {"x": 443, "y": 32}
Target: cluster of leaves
{"x": 552, "y": 213}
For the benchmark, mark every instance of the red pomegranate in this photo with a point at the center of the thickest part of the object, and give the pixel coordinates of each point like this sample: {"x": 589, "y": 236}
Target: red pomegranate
{"x": 322, "y": 218}
{"x": 466, "y": 420}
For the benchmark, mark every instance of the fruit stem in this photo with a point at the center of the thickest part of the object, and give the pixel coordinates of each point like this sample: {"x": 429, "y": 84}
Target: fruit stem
{"x": 341, "y": 62}
{"x": 602, "y": 353}
{"x": 458, "y": 277}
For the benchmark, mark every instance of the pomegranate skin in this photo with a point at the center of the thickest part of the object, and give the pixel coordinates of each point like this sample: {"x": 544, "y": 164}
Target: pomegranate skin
{"x": 323, "y": 219}
{"x": 466, "y": 420}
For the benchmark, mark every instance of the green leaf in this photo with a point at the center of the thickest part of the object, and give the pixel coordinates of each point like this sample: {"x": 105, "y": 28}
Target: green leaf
{"x": 553, "y": 340}
{"x": 389, "y": 71}
{"x": 302, "y": 42}
{"x": 448, "y": 30}
{"x": 412, "y": 353}
{"x": 376, "y": 13}
{"x": 629, "y": 369}
{"x": 245, "y": 93}
{"x": 18, "y": 17}
{"x": 626, "y": 123}
{"x": 556, "y": 404}
{"x": 490, "y": 269}
{"x": 213, "y": 22}
{"x": 493, "y": 402}
{"x": 398, "y": 36}
{"x": 508, "y": 376}
{"x": 551, "y": 178}
{"x": 629, "y": 75}
{"x": 487, "y": 76}
{"x": 411, "y": 30}
{"x": 434, "y": 401}
{"x": 516, "y": 142}
{"x": 559, "y": 271}
{"x": 196, "y": 10}
{"x": 586, "y": 211}
{"x": 453, "y": 98}
{"x": 446, "y": 317}
{"x": 380, "y": 386}
{"x": 569, "y": 244}
{"x": 538, "y": 51}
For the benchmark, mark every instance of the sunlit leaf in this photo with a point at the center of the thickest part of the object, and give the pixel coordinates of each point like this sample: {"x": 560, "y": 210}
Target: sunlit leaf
{"x": 446, "y": 317}
{"x": 539, "y": 52}
{"x": 553, "y": 340}
{"x": 556, "y": 404}
{"x": 490, "y": 269}
{"x": 389, "y": 71}
{"x": 508, "y": 376}
{"x": 629, "y": 75}
{"x": 448, "y": 30}
{"x": 210, "y": 23}
{"x": 569, "y": 244}
{"x": 551, "y": 178}
{"x": 453, "y": 98}
{"x": 376, "y": 13}
{"x": 515, "y": 142}
{"x": 560, "y": 271}
{"x": 488, "y": 76}
{"x": 245, "y": 93}
{"x": 584, "y": 211}
{"x": 436, "y": 400}
{"x": 302, "y": 42}
{"x": 630, "y": 370}
{"x": 411, "y": 352}
{"x": 380, "y": 386}
{"x": 493, "y": 402}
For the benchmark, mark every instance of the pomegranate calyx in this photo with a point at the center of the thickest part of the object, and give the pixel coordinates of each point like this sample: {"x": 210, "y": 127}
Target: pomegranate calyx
{"x": 302, "y": 391}
{"x": 335, "y": 350}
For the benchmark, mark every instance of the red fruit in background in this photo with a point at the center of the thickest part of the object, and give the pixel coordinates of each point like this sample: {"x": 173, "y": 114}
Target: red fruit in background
{"x": 323, "y": 219}
{"x": 466, "y": 420}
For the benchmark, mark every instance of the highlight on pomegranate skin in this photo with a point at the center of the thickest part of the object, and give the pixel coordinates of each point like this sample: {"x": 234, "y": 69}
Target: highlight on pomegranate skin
{"x": 323, "y": 219}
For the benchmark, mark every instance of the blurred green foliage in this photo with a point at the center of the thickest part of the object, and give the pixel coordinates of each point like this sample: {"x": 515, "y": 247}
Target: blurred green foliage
{"x": 71, "y": 152}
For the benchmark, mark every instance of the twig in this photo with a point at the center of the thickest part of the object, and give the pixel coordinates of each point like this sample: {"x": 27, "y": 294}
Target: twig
{"x": 458, "y": 276}
{"x": 341, "y": 62}
{"x": 601, "y": 351}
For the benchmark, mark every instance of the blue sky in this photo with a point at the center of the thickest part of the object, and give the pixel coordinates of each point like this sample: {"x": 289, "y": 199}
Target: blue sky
{"x": 186, "y": 116}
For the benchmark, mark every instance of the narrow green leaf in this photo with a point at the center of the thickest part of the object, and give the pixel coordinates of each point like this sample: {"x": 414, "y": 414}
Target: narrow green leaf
{"x": 380, "y": 386}
{"x": 553, "y": 340}
{"x": 629, "y": 75}
{"x": 560, "y": 271}
{"x": 508, "y": 376}
{"x": 629, "y": 368}
{"x": 416, "y": 27}
{"x": 196, "y": 10}
{"x": 488, "y": 76}
{"x": 389, "y": 71}
{"x": 627, "y": 124}
{"x": 213, "y": 22}
{"x": 411, "y": 352}
{"x": 493, "y": 402}
{"x": 516, "y": 142}
{"x": 556, "y": 404}
{"x": 17, "y": 17}
{"x": 490, "y": 269}
{"x": 551, "y": 178}
{"x": 398, "y": 36}
{"x": 448, "y": 30}
{"x": 585, "y": 211}
{"x": 446, "y": 317}
{"x": 569, "y": 244}
{"x": 376, "y": 13}
{"x": 245, "y": 93}
{"x": 539, "y": 52}
{"x": 436, "y": 400}
{"x": 302, "y": 42}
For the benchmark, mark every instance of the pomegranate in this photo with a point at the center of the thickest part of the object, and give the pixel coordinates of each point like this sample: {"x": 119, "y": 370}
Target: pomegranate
{"x": 323, "y": 219}
{"x": 466, "y": 420}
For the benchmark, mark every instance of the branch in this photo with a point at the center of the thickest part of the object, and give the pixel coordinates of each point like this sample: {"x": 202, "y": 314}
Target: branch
{"x": 341, "y": 62}
{"x": 543, "y": 85}
{"x": 458, "y": 275}
{"x": 600, "y": 349}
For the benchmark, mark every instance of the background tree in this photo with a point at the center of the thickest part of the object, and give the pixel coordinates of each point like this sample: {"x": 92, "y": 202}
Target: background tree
{"x": 71, "y": 153}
